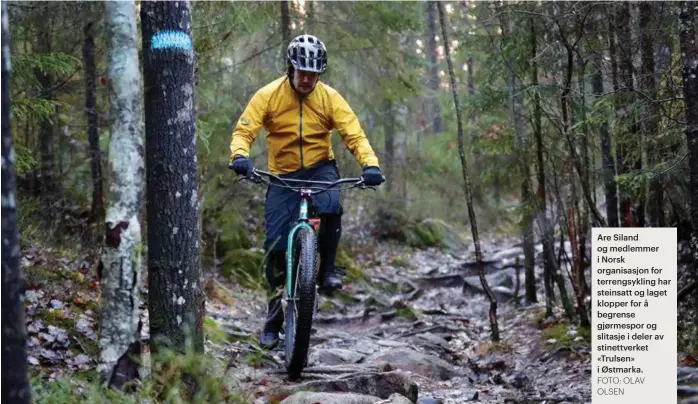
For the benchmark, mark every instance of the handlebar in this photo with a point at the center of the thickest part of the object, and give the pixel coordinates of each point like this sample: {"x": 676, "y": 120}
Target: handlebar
{"x": 257, "y": 178}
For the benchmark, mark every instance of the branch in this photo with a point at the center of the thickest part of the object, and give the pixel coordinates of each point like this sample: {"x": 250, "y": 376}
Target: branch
{"x": 687, "y": 289}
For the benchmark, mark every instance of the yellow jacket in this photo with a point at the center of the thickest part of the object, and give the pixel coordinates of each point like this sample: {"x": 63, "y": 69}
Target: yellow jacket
{"x": 299, "y": 130}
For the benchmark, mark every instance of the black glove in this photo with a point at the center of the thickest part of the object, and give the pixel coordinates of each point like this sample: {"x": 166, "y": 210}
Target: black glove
{"x": 373, "y": 176}
{"x": 242, "y": 165}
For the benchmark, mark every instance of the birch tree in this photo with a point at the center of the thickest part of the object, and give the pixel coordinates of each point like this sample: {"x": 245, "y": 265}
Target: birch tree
{"x": 119, "y": 320}
{"x": 15, "y": 386}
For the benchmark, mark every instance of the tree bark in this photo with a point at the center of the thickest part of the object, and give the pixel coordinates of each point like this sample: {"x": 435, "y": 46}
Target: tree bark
{"x": 689, "y": 52}
{"x": 175, "y": 294}
{"x": 516, "y": 110}
{"x": 433, "y": 67}
{"x": 629, "y": 144}
{"x": 546, "y": 229}
{"x": 285, "y": 31}
{"x": 15, "y": 384}
{"x": 466, "y": 183}
{"x": 399, "y": 183}
{"x": 88, "y": 56}
{"x": 389, "y": 136}
{"x": 310, "y": 16}
{"x": 648, "y": 85}
{"x": 47, "y": 184}
{"x": 477, "y": 189}
{"x": 609, "y": 165}
{"x": 119, "y": 336}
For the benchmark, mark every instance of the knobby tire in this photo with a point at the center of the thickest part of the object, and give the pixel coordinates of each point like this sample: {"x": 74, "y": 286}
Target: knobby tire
{"x": 298, "y": 327}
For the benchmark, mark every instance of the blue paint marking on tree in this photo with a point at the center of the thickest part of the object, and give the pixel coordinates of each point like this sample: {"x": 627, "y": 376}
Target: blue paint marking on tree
{"x": 171, "y": 40}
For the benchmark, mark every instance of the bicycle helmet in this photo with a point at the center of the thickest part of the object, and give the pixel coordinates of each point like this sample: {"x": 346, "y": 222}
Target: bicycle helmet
{"x": 307, "y": 53}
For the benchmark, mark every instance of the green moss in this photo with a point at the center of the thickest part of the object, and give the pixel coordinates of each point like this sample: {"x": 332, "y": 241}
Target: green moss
{"x": 214, "y": 332}
{"x": 407, "y": 313}
{"x": 560, "y": 333}
{"x": 39, "y": 275}
{"x": 354, "y": 271}
{"x": 399, "y": 262}
{"x": 425, "y": 234}
{"x": 344, "y": 298}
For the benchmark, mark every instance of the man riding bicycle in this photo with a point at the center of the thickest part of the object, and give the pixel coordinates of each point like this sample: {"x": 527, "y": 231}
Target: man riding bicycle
{"x": 299, "y": 112}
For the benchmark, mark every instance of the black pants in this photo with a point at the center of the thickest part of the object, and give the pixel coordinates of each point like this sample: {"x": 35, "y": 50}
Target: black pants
{"x": 282, "y": 208}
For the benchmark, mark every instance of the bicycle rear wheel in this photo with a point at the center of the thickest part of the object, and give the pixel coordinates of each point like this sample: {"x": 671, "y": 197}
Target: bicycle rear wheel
{"x": 300, "y": 308}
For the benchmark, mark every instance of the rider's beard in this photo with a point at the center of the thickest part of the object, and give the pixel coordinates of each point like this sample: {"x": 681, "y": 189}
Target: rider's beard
{"x": 303, "y": 87}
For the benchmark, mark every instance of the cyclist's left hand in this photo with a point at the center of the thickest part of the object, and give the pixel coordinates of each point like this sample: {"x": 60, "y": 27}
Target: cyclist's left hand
{"x": 373, "y": 176}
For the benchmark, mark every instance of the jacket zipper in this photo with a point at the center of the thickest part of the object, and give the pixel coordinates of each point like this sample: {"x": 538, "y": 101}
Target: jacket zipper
{"x": 301, "y": 129}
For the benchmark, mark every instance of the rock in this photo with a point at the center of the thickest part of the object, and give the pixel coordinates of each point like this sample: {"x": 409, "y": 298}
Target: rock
{"x": 502, "y": 282}
{"x": 391, "y": 343}
{"x": 489, "y": 363}
{"x": 306, "y": 397}
{"x": 409, "y": 360}
{"x": 429, "y": 400}
{"x": 381, "y": 385}
{"x": 397, "y": 399}
{"x": 334, "y": 356}
{"x": 431, "y": 338}
{"x": 365, "y": 346}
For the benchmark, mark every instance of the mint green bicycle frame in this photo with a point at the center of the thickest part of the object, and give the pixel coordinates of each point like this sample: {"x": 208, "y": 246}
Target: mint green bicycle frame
{"x": 302, "y": 222}
{"x": 306, "y": 193}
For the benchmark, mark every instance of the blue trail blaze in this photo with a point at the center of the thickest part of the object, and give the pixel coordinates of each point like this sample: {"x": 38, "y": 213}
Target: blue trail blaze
{"x": 171, "y": 40}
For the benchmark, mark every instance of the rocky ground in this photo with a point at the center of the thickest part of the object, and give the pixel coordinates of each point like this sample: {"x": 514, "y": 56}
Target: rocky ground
{"x": 409, "y": 329}
{"x": 404, "y": 330}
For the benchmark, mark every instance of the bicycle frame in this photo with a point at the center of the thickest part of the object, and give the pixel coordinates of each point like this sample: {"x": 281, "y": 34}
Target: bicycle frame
{"x": 306, "y": 192}
{"x": 302, "y": 222}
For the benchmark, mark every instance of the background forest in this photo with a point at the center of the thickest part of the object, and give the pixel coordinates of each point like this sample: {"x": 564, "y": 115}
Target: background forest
{"x": 563, "y": 116}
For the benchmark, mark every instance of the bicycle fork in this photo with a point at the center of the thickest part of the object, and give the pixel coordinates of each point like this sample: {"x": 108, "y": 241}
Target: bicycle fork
{"x": 302, "y": 222}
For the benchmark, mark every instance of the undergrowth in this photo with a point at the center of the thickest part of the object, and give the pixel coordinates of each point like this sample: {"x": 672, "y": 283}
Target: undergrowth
{"x": 175, "y": 378}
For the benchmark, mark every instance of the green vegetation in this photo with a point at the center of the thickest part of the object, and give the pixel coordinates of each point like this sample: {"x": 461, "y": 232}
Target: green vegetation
{"x": 167, "y": 383}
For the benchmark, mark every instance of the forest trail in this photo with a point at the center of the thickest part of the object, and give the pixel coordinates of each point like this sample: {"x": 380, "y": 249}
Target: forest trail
{"x": 408, "y": 325}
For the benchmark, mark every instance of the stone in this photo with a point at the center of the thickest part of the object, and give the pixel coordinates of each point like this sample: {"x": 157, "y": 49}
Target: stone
{"x": 412, "y": 361}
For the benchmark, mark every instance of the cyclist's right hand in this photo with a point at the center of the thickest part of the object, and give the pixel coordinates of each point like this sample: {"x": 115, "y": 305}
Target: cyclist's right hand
{"x": 242, "y": 166}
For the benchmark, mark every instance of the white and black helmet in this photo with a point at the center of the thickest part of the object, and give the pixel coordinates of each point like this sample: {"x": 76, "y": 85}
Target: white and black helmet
{"x": 307, "y": 53}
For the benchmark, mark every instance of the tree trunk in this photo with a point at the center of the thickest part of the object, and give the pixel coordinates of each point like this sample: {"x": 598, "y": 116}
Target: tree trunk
{"x": 687, "y": 36}
{"x": 119, "y": 336}
{"x": 516, "y": 110}
{"x": 399, "y": 163}
{"x": 15, "y": 384}
{"x": 285, "y": 32}
{"x": 175, "y": 294}
{"x": 541, "y": 198}
{"x": 609, "y": 165}
{"x": 567, "y": 125}
{"x": 477, "y": 189}
{"x": 433, "y": 67}
{"x": 47, "y": 184}
{"x": 88, "y": 54}
{"x": 389, "y": 136}
{"x": 651, "y": 126}
{"x": 629, "y": 144}
{"x": 466, "y": 182}
{"x": 310, "y": 16}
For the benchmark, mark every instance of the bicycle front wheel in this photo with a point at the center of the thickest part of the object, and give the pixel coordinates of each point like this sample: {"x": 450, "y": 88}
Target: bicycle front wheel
{"x": 300, "y": 308}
